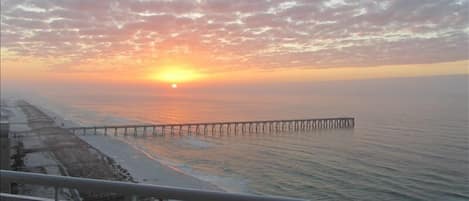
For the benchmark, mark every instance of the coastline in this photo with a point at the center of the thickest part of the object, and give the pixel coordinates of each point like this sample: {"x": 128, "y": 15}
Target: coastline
{"x": 26, "y": 154}
{"x": 142, "y": 167}
{"x": 70, "y": 154}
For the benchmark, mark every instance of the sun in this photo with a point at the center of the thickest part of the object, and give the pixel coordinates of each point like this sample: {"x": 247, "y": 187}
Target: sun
{"x": 175, "y": 74}
{"x": 174, "y": 86}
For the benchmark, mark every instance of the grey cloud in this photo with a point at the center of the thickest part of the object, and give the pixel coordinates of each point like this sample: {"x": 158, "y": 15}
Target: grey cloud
{"x": 25, "y": 23}
{"x": 178, "y": 6}
{"x": 227, "y": 6}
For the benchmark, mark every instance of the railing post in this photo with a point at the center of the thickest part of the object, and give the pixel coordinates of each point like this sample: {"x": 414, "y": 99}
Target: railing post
{"x": 56, "y": 193}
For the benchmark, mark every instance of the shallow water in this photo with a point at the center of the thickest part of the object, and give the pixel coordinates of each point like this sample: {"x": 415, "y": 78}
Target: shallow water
{"x": 410, "y": 141}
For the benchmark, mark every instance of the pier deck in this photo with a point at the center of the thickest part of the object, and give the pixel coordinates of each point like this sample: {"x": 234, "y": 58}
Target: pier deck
{"x": 218, "y": 128}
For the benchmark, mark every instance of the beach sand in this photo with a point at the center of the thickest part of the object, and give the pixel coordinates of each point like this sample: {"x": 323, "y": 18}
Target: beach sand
{"x": 97, "y": 157}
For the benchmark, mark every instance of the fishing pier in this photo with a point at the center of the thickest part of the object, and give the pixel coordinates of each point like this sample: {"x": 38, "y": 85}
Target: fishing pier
{"x": 217, "y": 128}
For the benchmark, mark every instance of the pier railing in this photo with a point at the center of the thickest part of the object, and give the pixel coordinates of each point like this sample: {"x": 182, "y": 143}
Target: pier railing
{"x": 131, "y": 191}
{"x": 218, "y": 128}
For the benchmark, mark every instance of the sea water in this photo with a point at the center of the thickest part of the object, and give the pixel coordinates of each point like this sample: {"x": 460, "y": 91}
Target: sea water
{"x": 410, "y": 142}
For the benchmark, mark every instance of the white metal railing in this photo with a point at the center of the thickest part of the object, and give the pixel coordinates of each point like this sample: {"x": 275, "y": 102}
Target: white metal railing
{"x": 131, "y": 190}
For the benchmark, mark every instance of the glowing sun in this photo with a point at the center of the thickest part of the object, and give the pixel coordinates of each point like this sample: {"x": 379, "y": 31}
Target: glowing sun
{"x": 175, "y": 75}
{"x": 174, "y": 86}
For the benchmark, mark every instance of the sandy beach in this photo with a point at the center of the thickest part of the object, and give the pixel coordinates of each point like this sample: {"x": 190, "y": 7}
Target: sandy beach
{"x": 46, "y": 147}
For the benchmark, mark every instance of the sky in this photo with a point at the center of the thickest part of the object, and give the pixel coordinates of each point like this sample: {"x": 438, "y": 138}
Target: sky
{"x": 219, "y": 41}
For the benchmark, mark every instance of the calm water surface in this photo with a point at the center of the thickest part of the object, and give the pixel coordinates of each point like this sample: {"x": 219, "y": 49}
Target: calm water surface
{"x": 412, "y": 145}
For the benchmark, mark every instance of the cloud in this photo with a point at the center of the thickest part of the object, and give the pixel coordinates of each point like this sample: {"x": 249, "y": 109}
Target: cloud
{"x": 239, "y": 34}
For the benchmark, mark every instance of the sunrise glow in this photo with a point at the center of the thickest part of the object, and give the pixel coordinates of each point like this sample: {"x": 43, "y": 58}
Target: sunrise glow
{"x": 175, "y": 75}
{"x": 165, "y": 42}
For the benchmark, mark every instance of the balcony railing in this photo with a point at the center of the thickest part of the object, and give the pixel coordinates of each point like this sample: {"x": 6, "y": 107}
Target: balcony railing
{"x": 131, "y": 190}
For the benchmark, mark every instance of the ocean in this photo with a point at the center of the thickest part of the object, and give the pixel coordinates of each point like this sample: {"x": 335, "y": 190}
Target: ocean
{"x": 410, "y": 142}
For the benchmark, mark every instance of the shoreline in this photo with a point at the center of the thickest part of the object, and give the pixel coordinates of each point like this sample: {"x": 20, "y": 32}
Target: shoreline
{"x": 141, "y": 166}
